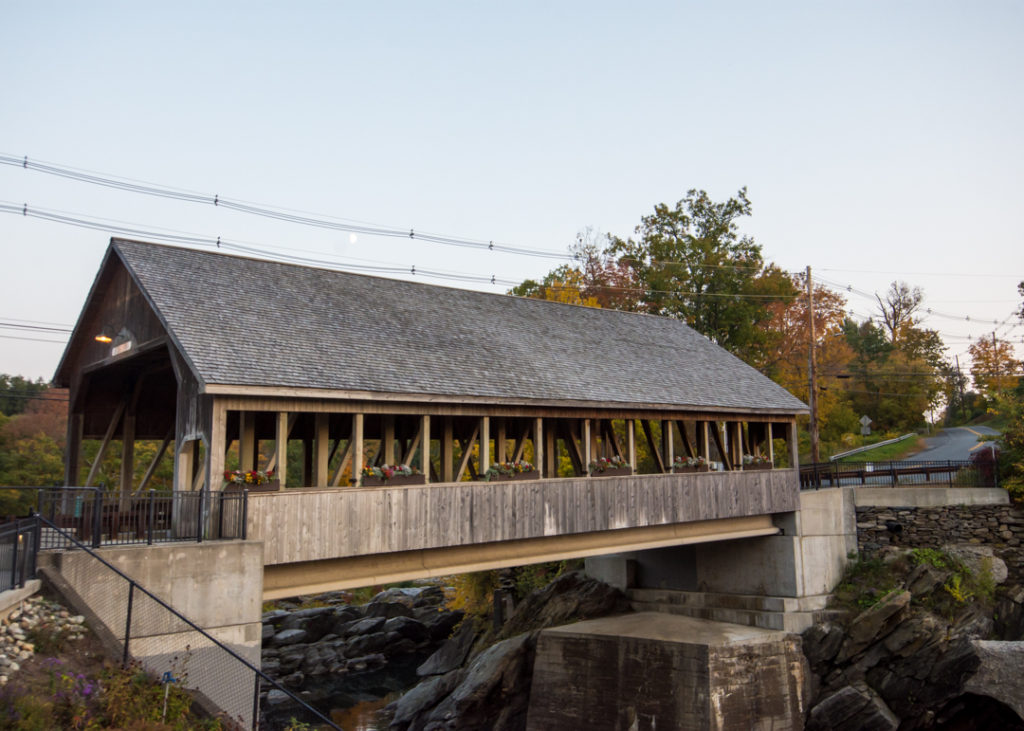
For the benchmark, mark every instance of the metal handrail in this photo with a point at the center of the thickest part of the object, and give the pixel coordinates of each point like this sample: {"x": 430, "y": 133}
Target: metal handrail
{"x": 134, "y": 586}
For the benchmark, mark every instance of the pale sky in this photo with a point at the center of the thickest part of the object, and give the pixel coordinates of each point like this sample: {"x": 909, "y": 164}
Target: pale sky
{"x": 878, "y": 140}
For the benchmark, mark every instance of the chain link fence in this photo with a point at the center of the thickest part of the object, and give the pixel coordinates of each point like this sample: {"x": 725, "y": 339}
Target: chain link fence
{"x": 220, "y": 666}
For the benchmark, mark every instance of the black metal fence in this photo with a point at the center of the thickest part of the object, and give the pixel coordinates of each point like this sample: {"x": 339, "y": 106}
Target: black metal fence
{"x": 19, "y": 543}
{"x": 162, "y": 640}
{"x": 100, "y": 517}
{"x": 945, "y": 473}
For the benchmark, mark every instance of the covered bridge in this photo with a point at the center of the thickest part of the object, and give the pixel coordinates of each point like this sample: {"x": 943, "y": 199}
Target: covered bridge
{"x": 228, "y": 361}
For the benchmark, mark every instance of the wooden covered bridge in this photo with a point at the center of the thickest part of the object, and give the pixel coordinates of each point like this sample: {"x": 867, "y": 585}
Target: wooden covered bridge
{"x": 232, "y": 363}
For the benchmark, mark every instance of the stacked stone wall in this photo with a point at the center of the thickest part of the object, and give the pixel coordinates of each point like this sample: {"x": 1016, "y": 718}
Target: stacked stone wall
{"x": 998, "y": 526}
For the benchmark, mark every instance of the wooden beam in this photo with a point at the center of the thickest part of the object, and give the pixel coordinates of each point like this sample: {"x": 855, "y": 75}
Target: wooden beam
{"x": 285, "y": 424}
{"x": 716, "y": 432}
{"x": 323, "y": 443}
{"x": 538, "y": 444}
{"x": 771, "y": 444}
{"x": 187, "y": 456}
{"x": 72, "y": 464}
{"x": 467, "y": 452}
{"x": 388, "y": 447}
{"x": 248, "y": 455}
{"x": 127, "y": 477}
{"x": 520, "y": 445}
{"x": 447, "y": 451}
{"x": 703, "y": 443}
{"x": 631, "y": 439}
{"x": 357, "y": 450}
{"x": 102, "y": 452}
{"x": 426, "y": 464}
{"x": 413, "y": 446}
{"x": 346, "y": 457}
{"x": 588, "y": 453}
{"x": 572, "y": 446}
{"x": 668, "y": 443}
{"x": 612, "y": 439}
{"x": 151, "y": 470}
{"x": 685, "y": 439}
{"x": 794, "y": 446}
{"x": 500, "y": 447}
{"x": 550, "y": 449}
{"x": 484, "y": 459}
{"x": 217, "y": 447}
{"x": 658, "y": 461}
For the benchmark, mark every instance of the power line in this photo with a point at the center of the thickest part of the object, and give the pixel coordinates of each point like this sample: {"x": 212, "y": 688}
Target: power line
{"x": 33, "y": 340}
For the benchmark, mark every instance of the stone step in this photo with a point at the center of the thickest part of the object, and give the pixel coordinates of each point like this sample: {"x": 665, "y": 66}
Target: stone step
{"x": 779, "y": 613}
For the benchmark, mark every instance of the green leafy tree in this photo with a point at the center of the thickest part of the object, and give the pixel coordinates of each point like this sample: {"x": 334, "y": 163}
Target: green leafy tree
{"x": 16, "y": 393}
{"x": 692, "y": 263}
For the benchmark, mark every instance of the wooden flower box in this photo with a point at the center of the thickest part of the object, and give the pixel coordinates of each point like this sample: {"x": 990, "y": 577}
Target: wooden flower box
{"x": 518, "y": 477}
{"x": 688, "y": 468}
{"x": 271, "y": 486}
{"x": 762, "y": 466}
{"x": 395, "y": 481}
{"x": 613, "y": 472}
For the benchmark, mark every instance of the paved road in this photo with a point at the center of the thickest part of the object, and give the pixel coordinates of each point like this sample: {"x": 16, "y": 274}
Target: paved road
{"x": 958, "y": 443}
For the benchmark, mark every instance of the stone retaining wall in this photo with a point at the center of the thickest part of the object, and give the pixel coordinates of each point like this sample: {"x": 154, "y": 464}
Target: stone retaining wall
{"x": 998, "y": 526}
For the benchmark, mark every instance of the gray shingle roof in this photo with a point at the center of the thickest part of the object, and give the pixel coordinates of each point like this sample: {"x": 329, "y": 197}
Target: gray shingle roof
{"x": 252, "y": 322}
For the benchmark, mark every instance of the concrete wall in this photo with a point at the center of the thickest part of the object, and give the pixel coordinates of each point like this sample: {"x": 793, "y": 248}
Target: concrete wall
{"x": 922, "y": 497}
{"x": 218, "y": 586}
{"x": 807, "y": 558}
{"x": 649, "y": 671}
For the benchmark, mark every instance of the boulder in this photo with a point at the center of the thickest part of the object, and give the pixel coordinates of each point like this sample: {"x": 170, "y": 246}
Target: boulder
{"x": 289, "y": 637}
{"x": 852, "y": 708}
{"x": 407, "y": 627}
{"x": 979, "y": 559}
{"x": 821, "y": 642}
{"x": 999, "y": 673}
{"x": 363, "y": 627}
{"x": 570, "y": 597}
{"x": 387, "y": 610}
{"x": 498, "y": 679}
{"x": 925, "y": 578}
{"x": 421, "y": 699}
{"x": 874, "y": 623}
{"x": 439, "y": 623}
{"x": 452, "y": 653}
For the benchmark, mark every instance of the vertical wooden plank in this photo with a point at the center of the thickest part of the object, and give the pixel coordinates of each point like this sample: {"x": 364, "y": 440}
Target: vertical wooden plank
{"x": 684, "y": 437}
{"x": 185, "y": 468}
{"x": 425, "y": 448}
{"x": 538, "y": 445}
{"x": 500, "y": 447}
{"x": 668, "y": 443}
{"x": 389, "y": 438}
{"x": 217, "y": 446}
{"x": 448, "y": 451}
{"x": 703, "y": 443}
{"x": 771, "y": 445}
{"x": 74, "y": 448}
{"x": 485, "y": 444}
{"x": 588, "y": 455}
{"x": 357, "y": 450}
{"x": 550, "y": 453}
{"x": 247, "y": 454}
{"x": 794, "y": 446}
{"x": 281, "y": 446}
{"x": 631, "y": 438}
{"x": 323, "y": 445}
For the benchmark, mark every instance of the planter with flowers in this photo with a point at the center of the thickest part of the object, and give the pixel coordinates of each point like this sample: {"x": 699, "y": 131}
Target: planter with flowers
{"x": 511, "y": 471}
{"x": 690, "y": 464}
{"x": 610, "y": 467}
{"x": 756, "y": 462}
{"x": 251, "y": 480}
{"x": 392, "y": 475}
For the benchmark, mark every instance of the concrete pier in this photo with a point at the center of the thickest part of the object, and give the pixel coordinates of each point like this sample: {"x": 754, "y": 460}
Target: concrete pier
{"x": 653, "y": 670}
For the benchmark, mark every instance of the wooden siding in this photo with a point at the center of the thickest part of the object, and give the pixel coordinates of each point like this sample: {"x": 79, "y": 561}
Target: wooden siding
{"x": 308, "y": 525}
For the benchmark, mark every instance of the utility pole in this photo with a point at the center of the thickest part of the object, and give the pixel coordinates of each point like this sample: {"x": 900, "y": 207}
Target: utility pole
{"x": 812, "y": 373}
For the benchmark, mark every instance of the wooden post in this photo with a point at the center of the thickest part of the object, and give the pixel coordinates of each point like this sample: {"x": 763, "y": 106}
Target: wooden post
{"x": 668, "y": 444}
{"x": 587, "y": 454}
{"x": 307, "y": 462}
{"x": 357, "y": 450}
{"x": 631, "y": 438}
{"x": 425, "y": 448}
{"x": 703, "y": 443}
{"x": 448, "y": 451}
{"x": 388, "y": 439}
{"x": 500, "y": 448}
{"x": 74, "y": 449}
{"x": 102, "y": 452}
{"x": 485, "y": 444}
{"x": 771, "y": 446}
{"x": 216, "y": 448}
{"x": 794, "y": 446}
{"x": 127, "y": 457}
{"x": 248, "y": 455}
{"x": 550, "y": 451}
{"x": 737, "y": 448}
{"x": 323, "y": 441}
{"x": 684, "y": 437}
{"x": 538, "y": 445}
{"x": 281, "y": 446}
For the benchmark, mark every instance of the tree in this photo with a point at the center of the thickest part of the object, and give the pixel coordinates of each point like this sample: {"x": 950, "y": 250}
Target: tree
{"x": 899, "y": 307}
{"x": 692, "y": 263}
{"x": 993, "y": 366}
{"x": 16, "y": 393}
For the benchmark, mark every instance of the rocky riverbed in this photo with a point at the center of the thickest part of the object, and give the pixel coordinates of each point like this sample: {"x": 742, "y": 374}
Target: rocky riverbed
{"x": 17, "y": 629}
{"x": 336, "y": 655}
